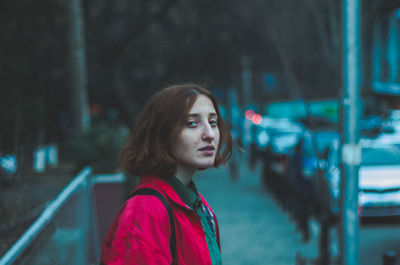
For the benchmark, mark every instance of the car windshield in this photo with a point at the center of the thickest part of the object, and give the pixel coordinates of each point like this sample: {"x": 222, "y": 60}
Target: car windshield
{"x": 374, "y": 156}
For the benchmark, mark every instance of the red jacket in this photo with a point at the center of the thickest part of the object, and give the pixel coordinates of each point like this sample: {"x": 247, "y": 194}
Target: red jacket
{"x": 140, "y": 233}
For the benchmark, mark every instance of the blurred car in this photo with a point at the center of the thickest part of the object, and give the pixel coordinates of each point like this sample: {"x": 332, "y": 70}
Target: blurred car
{"x": 392, "y": 138}
{"x": 392, "y": 122}
{"x": 281, "y": 134}
{"x": 312, "y": 149}
{"x": 372, "y": 125}
{"x": 306, "y": 168}
{"x": 275, "y": 140}
{"x": 379, "y": 178}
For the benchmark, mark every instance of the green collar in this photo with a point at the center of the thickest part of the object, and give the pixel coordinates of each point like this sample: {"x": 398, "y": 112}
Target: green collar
{"x": 188, "y": 194}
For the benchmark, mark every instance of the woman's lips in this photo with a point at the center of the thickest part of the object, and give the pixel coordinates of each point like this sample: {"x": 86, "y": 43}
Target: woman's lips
{"x": 207, "y": 150}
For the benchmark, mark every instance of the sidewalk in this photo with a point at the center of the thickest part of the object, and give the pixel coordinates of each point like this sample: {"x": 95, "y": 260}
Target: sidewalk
{"x": 254, "y": 230}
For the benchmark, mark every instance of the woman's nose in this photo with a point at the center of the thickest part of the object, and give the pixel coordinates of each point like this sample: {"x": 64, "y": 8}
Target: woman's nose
{"x": 208, "y": 133}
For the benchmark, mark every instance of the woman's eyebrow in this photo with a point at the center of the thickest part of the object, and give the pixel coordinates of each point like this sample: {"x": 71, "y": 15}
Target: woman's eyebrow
{"x": 196, "y": 115}
{"x": 193, "y": 115}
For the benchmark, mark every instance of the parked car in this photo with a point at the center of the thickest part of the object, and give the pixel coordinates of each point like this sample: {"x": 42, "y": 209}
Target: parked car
{"x": 306, "y": 170}
{"x": 379, "y": 181}
{"x": 274, "y": 142}
{"x": 312, "y": 149}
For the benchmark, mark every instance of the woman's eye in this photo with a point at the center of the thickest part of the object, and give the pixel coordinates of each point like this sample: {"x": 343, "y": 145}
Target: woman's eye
{"x": 191, "y": 124}
{"x": 213, "y": 123}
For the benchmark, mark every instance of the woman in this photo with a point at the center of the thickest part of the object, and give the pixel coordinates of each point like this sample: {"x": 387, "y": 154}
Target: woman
{"x": 167, "y": 221}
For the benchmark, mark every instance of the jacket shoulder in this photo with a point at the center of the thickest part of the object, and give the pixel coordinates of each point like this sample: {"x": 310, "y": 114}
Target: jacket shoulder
{"x": 140, "y": 206}
{"x": 140, "y": 229}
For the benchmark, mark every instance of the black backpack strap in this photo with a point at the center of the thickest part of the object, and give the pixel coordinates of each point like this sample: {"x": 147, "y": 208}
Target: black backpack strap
{"x": 154, "y": 192}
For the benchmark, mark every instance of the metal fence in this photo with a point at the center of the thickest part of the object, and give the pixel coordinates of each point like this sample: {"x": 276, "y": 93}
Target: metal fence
{"x": 66, "y": 231}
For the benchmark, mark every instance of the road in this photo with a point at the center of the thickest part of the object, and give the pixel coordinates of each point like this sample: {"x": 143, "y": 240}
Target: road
{"x": 375, "y": 239}
{"x": 255, "y": 230}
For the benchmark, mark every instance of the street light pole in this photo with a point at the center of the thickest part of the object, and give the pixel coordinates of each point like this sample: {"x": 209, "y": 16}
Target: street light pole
{"x": 351, "y": 152}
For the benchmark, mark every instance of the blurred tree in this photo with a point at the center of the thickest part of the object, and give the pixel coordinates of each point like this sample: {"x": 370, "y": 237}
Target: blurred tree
{"x": 115, "y": 30}
{"x": 135, "y": 47}
{"x": 31, "y": 70}
{"x": 77, "y": 67}
{"x": 307, "y": 39}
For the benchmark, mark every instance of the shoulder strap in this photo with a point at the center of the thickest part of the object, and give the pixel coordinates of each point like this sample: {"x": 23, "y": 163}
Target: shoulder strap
{"x": 154, "y": 192}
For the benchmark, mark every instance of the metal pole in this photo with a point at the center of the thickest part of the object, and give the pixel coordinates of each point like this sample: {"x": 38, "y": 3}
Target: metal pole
{"x": 351, "y": 152}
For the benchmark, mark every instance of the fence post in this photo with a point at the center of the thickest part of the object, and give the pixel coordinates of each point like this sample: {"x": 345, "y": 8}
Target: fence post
{"x": 85, "y": 220}
{"x": 389, "y": 257}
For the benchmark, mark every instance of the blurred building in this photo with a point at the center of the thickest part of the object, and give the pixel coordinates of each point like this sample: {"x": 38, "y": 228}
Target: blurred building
{"x": 385, "y": 59}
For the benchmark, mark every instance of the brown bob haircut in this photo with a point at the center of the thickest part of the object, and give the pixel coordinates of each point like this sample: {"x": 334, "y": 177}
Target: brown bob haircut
{"x": 148, "y": 149}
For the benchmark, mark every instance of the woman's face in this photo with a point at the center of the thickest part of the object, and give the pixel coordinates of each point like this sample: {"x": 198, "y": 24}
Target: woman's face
{"x": 197, "y": 144}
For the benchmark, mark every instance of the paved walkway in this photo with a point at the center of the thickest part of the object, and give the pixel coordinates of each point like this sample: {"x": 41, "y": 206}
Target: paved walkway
{"x": 254, "y": 230}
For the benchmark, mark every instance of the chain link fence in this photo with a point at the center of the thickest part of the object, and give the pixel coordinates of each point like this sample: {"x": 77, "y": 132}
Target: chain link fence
{"x": 66, "y": 231}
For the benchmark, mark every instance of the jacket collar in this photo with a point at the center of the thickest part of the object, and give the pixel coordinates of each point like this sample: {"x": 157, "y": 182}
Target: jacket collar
{"x": 174, "y": 189}
{"x": 188, "y": 194}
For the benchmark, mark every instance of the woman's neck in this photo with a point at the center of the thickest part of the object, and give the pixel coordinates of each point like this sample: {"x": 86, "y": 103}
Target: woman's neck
{"x": 185, "y": 174}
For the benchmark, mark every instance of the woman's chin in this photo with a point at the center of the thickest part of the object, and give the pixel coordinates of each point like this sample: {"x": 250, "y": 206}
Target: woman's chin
{"x": 204, "y": 167}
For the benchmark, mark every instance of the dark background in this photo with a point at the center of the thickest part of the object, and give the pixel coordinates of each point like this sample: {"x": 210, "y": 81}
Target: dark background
{"x": 136, "y": 47}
